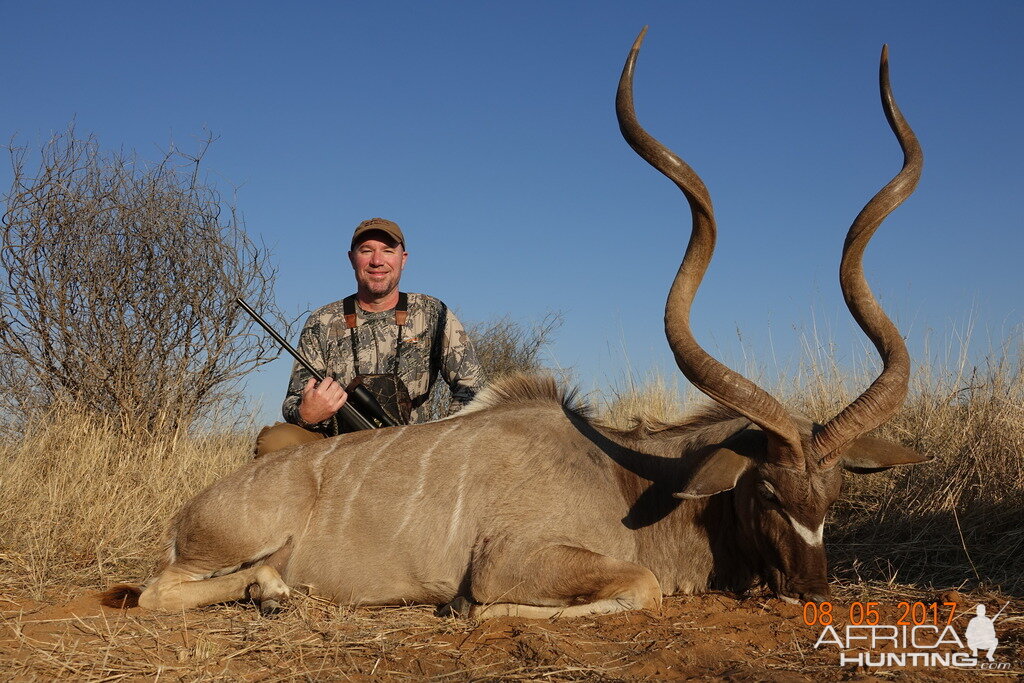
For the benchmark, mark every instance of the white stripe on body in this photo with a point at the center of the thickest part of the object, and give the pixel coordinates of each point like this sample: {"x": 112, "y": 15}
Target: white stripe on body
{"x": 344, "y": 463}
{"x": 369, "y": 461}
{"x": 421, "y": 481}
{"x": 460, "y": 493}
{"x": 334, "y": 447}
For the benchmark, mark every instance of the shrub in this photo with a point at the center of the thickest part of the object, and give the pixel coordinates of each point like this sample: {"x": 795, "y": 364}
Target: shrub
{"x": 118, "y": 288}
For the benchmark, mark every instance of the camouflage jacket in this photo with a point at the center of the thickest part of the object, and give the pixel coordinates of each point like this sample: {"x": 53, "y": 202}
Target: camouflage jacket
{"x": 433, "y": 342}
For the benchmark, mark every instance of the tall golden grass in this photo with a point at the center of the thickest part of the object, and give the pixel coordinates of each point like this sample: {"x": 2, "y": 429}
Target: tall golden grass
{"x": 84, "y": 504}
{"x": 959, "y": 519}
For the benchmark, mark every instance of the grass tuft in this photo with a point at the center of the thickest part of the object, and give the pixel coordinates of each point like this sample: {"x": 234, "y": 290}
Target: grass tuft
{"x": 84, "y": 504}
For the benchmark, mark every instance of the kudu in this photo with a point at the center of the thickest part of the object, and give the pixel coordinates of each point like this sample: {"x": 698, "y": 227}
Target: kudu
{"x": 523, "y": 505}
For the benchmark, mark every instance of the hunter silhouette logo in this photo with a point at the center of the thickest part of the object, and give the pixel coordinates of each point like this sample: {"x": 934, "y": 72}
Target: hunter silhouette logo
{"x": 981, "y": 632}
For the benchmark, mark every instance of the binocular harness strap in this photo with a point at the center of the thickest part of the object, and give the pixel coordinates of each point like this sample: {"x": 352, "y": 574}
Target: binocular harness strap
{"x": 351, "y": 321}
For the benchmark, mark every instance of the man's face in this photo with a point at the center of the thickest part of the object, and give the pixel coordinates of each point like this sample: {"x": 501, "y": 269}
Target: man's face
{"x": 378, "y": 261}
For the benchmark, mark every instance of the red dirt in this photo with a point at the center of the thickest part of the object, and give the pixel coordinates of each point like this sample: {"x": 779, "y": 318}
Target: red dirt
{"x": 710, "y": 636}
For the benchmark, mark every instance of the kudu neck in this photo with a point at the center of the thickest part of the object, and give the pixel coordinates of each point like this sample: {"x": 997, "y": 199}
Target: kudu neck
{"x": 691, "y": 544}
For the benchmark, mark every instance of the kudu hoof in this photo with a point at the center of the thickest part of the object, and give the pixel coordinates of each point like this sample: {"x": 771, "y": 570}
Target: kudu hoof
{"x": 459, "y": 607}
{"x": 270, "y": 607}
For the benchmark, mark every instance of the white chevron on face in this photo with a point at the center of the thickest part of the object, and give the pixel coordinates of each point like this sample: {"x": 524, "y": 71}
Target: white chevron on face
{"x": 813, "y": 537}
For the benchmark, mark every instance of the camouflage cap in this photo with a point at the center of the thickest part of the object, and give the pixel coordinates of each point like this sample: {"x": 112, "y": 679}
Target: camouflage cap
{"x": 382, "y": 224}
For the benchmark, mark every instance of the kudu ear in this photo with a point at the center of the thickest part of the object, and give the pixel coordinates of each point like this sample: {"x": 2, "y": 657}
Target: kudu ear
{"x": 723, "y": 466}
{"x": 870, "y": 454}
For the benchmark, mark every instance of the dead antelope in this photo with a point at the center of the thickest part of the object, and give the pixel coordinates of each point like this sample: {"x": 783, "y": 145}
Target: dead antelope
{"x": 523, "y": 505}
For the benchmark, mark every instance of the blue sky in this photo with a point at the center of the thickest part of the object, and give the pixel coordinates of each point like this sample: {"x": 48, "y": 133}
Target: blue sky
{"x": 487, "y": 130}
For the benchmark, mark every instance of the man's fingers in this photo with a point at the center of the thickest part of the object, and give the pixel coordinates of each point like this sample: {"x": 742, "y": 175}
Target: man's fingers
{"x": 341, "y": 400}
{"x": 328, "y": 387}
{"x": 335, "y": 396}
{"x": 320, "y": 401}
{"x": 322, "y": 388}
{"x": 328, "y": 394}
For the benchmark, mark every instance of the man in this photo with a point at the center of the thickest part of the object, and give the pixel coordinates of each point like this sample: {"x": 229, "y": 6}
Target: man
{"x": 406, "y": 338}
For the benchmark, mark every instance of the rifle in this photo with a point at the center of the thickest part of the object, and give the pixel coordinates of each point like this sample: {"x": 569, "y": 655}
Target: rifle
{"x": 372, "y": 415}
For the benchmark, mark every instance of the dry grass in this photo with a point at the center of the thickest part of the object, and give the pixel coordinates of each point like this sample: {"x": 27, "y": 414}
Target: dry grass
{"x": 316, "y": 641}
{"x": 711, "y": 636}
{"x": 959, "y": 519}
{"x": 83, "y": 506}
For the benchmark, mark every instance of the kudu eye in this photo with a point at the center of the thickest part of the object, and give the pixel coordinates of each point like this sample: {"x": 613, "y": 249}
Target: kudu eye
{"x": 767, "y": 493}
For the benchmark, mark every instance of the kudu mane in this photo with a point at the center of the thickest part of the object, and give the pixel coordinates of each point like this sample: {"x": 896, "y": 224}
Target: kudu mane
{"x": 642, "y": 426}
{"x": 519, "y": 389}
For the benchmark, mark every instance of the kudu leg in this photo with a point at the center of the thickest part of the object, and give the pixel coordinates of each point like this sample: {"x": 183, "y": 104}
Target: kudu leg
{"x": 562, "y": 581}
{"x": 176, "y": 589}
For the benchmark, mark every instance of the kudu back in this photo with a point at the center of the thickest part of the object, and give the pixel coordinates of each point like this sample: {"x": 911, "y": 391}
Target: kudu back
{"x": 521, "y": 504}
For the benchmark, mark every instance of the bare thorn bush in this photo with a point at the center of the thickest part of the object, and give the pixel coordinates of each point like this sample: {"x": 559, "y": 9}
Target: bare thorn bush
{"x": 117, "y": 288}
{"x": 504, "y": 345}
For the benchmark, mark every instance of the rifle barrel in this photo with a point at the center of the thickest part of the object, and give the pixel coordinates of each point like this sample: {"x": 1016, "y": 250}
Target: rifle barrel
{"x": 280, "y": 340}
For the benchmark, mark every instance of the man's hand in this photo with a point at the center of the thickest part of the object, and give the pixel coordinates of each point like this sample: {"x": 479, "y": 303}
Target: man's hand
{"x": 320, "y": 402}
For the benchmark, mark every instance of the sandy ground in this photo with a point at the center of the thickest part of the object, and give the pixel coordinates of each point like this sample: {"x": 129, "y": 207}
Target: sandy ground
{"x": 714, "y": 636}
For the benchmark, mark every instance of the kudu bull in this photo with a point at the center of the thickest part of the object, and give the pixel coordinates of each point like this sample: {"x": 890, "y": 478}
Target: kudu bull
{"x": 522, "y": 505}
